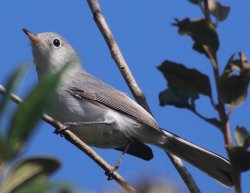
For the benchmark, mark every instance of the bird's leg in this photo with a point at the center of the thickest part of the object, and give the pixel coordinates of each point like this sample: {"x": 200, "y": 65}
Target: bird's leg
{"x": 67, "y": 125}
{"x": 118, "y": 163}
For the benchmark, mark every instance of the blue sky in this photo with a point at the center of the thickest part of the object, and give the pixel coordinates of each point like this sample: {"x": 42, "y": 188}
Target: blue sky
{"x": 144, "y": 33}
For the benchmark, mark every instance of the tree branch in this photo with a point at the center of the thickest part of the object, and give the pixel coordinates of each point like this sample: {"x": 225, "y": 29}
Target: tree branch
{"x": 72, "y": 138}
{"x": 224, "y": 116}
{"x": 133, "y": 86}
{"x": 116, "y": 54}
{"x": 210, "y": 121}
{"x": 189, "y": 181}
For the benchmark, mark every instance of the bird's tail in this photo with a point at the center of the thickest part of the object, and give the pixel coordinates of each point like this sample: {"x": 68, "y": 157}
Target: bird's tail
{"x": 212, "y": 164}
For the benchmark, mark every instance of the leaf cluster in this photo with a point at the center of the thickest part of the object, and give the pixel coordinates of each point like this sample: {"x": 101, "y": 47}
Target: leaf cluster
{"x": 185, "y": 85}
{"x": 28, "y": 174}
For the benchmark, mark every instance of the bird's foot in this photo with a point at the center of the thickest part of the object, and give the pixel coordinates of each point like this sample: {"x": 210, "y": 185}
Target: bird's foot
{"x": 110, "y": 173}
{"x": 65, "y": 126}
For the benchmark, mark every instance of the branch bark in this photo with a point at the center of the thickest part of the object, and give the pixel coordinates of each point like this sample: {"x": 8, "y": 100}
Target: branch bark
{"x": 72, "y": 138}
{"x": 116, "y": 54}
{"x": 133, "y": 86}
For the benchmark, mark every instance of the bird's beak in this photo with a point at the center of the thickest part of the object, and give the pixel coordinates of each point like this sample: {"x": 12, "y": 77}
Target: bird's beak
{"x": 33, "y": 37}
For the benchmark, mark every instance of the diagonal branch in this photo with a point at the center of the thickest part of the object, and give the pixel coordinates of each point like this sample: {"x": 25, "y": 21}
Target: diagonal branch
{"x": 133, "y": 86}
{"x": 116, "y": 54}
{"x": 72, "y": 138}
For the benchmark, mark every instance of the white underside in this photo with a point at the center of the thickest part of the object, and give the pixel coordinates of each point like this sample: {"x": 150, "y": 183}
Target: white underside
{"x": 110, "y": 129}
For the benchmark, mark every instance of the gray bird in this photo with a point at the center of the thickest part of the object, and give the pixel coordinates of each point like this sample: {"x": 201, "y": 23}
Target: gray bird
{"x": 107, "y": 118}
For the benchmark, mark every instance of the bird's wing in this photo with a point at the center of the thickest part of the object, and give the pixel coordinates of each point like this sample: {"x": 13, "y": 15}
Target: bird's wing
{"x": 88, "y": 87}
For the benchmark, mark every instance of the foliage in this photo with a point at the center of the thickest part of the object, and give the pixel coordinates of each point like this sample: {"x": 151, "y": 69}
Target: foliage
{"x": 28, "y": 174}
{"x": 186, "y": 85}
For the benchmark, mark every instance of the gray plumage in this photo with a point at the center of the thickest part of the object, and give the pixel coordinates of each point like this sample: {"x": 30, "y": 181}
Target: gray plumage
{"x": 89, "y": 87}
{"x": 108, "y": 117}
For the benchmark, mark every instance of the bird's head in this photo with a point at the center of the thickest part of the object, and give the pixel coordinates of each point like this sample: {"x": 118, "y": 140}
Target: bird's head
{"x": 51, "y": 52}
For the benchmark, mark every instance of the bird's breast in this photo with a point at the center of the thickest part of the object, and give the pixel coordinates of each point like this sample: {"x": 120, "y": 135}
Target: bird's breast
{"x": 104, "y": 128}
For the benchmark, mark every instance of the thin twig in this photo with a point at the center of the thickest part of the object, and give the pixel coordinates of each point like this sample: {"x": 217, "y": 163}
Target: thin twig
{"x": 237, "y": 179}
{"x": 72, "y": 138}
{"x": 193, "y": 110}
{"x": 206, "y": 10}
{"x": 220, "y": 106}
{"x": 224, "y": 117}
{"x": 189, "y": 181}
{"x": 212, "y": 101}
{"x": 133, "y": 86}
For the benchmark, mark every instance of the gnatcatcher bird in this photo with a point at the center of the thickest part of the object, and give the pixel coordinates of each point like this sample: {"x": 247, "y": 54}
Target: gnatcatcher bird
{"x": 107, "y": 118}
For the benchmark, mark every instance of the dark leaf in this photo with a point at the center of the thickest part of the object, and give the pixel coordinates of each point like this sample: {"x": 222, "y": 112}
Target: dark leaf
{"x": 220, "y": 12}
{"x": 235, "y": 80}
{"x": 194, "y": 1}
{"x": 12, "y": 82}
{"x": 180, "y": 99}
{"x": 242, "y": 137}
{"x": 215, "y": 122}
{"x": 239, "y": 65}
{"x": 2, "y": 148}
{"x": 234, "y": 89}
{"x": 202, "y": 32}
{"x": 232, "y": 65}
{"x": 29, "y": 113}
{"x": 245, "y": 66}
{"x": 27, "y": 172}
{"x": 188, "y": 80}
{"x": 240, "y": 158}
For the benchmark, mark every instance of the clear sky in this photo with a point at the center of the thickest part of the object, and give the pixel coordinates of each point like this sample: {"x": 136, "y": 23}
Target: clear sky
{"x": 144, "y": 33}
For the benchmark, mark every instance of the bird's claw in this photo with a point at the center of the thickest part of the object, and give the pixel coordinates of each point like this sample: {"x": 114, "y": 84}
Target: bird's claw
{"x": 110, "y": 173}
{"x": 64, "y": 127}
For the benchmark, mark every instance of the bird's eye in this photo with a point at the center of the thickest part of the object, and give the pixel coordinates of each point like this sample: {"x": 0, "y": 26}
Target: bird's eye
{"x": 56, "y": 42}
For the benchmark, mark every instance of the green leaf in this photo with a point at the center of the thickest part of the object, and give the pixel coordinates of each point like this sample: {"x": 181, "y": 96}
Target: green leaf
{"x": 235, "y": 80}
{"x": 203, "y": 34}
{"x": 220, "y": 12}
{"x": 240, "y": 158}
{"x": 179, "y": 98}
{"x": 242, "y": 137}
{"x": 38, "y": 186}
{"x": 11, "y": 84}
{"x": 28, "y": 114}
{"x": 28, "y": 171}
{"x": 187, "y": 80}
{"x": 42, "y": 186}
